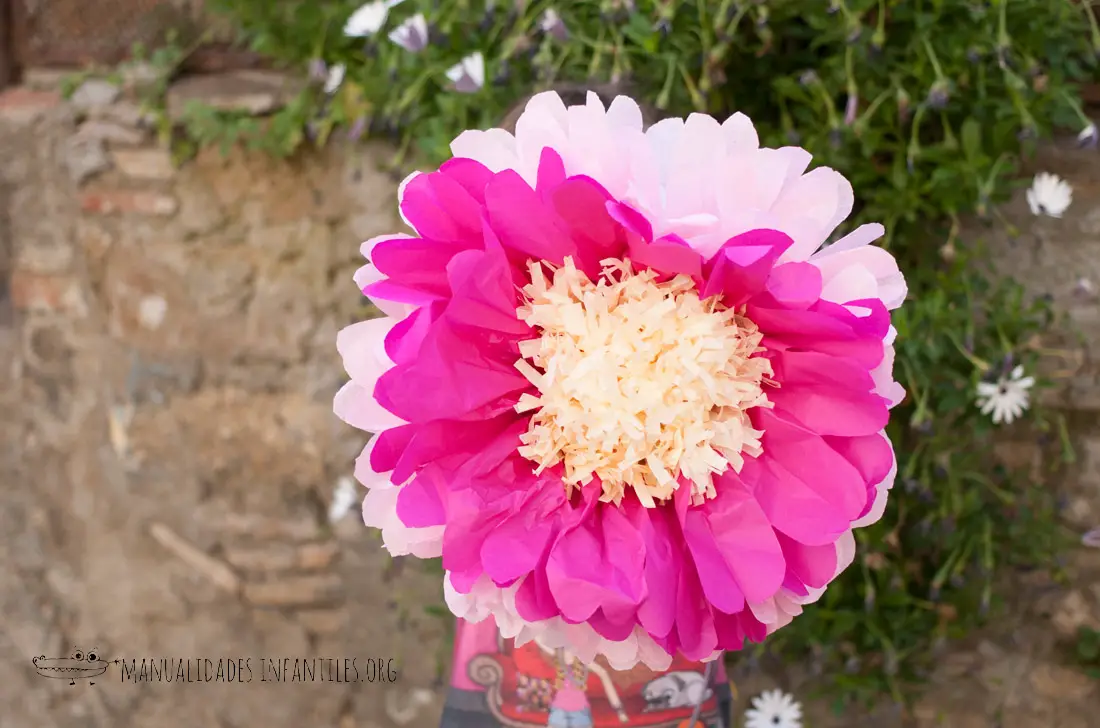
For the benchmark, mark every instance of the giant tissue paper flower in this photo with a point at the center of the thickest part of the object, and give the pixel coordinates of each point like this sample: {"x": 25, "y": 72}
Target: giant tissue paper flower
{"x": 620, "y": 386}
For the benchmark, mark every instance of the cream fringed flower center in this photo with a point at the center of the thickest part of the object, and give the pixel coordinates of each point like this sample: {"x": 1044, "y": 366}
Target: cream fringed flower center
{"x": 640, "y": 381}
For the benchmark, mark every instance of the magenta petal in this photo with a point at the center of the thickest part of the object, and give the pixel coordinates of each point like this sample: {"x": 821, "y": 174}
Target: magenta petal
{"x": 467, "y": 528}
{"x": 522, "y": 222}
{"x": 667, "y": 257}
{"x": 448, "y": 379}
{"x": 631, "y": 219}
{"x": 871, "y": 455}
{"x": 658, "y": 612}
{"x": 403, "y": 342}
{"x": 496, "y": 450}
{"x": 389, "y": 446}
{"x": 824, "y": 327}
{"x": 485, "y": 294}
{"x": 439, "y": 439}
{"x": 551, "y": 171}
{"x": 440, "y": 208}
{"x": 730, "y": 633}
{"x": 734, "y": 546}
{"x": 795, "y": 285}
{"x": 514, "y": 548}
{"x": 413, "y": 263}
{"x": 418, "y": 504}
{"x": 582, "y": 207}
{"x": 740, "y": 268}
{"x": 616, "y": 631}
{"x": 809, "y": 459}
{"x": 814, "y": 566}
{"x": 534, "y": 600}
{"x": 388, "y": 290}
{"x": 596, "y": 564}
{"x": 695, "y": 629}
{"x": 829, "y": 395}
{"x": 453, "y": 198}
{"x": 471, "y": 174}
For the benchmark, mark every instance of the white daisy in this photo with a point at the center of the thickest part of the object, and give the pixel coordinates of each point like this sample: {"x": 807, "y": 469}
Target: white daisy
{"x": 468, "y": 75}
{"x": 412, "y": 35}
{"x": 344, "y": 498}
{"x": 1087, "y": 137}
{"x": 369, "y": 18}
{"x": 774, "y": 709}
{"x": 334, "y": 78}
{"x": 1007, "y": 398}
{"x": 1049, "y": 195}
{"x": 551, "y": 23}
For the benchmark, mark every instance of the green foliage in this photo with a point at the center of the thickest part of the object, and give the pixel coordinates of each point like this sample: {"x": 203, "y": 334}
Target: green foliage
{"x": 1088, "y": 651}
{"x": 925, "y": 105}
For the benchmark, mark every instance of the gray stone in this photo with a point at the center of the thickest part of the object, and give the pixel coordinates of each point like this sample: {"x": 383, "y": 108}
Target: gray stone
{"x": 139, "y": 75}
{"x": 147, "y": 164}
{"x": 111, "y": 132}
{"x": 126, "y": 113}
{"x": 252, "y": 92}
{"x": 94, "y": 93}
{"x": 85, "y": 157}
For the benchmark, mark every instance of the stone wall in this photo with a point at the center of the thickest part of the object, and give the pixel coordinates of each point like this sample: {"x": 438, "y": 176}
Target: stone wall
{"x": 167, "y": 337}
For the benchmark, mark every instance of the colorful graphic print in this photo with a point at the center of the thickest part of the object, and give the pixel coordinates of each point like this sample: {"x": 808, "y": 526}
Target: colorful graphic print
{"x": 496, "y": 684}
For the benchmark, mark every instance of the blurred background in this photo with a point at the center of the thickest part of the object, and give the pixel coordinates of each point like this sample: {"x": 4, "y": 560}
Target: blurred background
{"x": 183, "y": 190}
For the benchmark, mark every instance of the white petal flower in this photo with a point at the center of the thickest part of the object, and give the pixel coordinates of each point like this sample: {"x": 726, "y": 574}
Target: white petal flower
{"x": 344, "y": 497}
{"x": 774, "y": 709}
{"x": 412, "y": 35}
{"x": 1087, "y": 137}
{"x": 369, "y": 18}
{"x": 551, "y": 23}
{"x": 1049, "y": 195}
{"x": 468, "y": 75}
{"x": 335, "y": 78}
{"x": 1007, "y": 398}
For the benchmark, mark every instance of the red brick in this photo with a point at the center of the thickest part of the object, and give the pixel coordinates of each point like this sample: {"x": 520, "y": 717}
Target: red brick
{"x": 44, "y": 292}
{"x": 140, "y": 202}
{"x": 22, "y": 104}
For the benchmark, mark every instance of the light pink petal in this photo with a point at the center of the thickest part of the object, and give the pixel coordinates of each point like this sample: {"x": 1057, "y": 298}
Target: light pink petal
{"x": 495, "y": 148}
{"x": 798, "y": 161}
{"x": 624, "y": 113}
{"x": 380, "y": 511}
{"x": 751, "y": 181}
{"x": 883, "y": 375}
{"x": 881, "y": 493}
{"x": 845, "y": 551}
{"x": 366, "y": 474}
{"x": 380, "y": 507}
{"x": 663, "y": 138}
{"x": 854, "y": 283}
{"x": 740, "y": 134}
{"x": 358, "y": 407}
{"x": 367, "y": 275}
{"x": 362, "y": 348}
{"x": 823, "y": 197}
{"x": 401, "y": 196}
{"x": 862, "y": 235}
{"x": 367, "y": 246}
{"x": 878, "y": 263}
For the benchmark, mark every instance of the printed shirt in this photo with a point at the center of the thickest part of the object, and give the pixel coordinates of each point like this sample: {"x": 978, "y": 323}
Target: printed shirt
{"x": 495, "y": 684}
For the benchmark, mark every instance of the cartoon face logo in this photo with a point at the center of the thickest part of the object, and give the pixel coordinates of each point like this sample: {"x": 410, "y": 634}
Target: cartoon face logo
{"x": 80, "y": 665}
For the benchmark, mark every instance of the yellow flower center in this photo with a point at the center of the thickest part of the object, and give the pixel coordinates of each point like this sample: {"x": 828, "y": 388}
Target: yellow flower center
{"x": 640, "y": 381}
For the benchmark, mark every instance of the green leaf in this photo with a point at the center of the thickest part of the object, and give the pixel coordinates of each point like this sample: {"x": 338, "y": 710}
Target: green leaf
{"x": 971, "y": 139}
